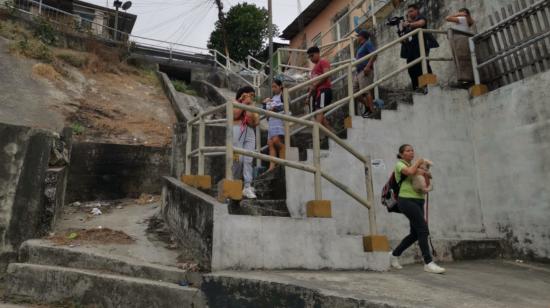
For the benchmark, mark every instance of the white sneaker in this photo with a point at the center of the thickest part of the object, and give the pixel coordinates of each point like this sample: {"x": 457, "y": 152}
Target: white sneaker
{"x": 394, "y": 262}
{"x": 248, "y": 192}
{"x": 433, "y": 268}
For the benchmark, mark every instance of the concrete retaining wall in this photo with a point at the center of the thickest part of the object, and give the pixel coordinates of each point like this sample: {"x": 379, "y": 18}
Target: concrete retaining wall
{"x": 490, "y": 168}
{"x": 218, "y": 240}
{"x": 28, "y": 206}
{"x": 111, "y": 171}
{"x": 189, "y": 214}
{"x": 511, "y": 137}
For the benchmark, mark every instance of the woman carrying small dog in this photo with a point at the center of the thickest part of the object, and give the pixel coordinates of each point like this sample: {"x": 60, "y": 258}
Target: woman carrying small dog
{"x": 411, "y": 203}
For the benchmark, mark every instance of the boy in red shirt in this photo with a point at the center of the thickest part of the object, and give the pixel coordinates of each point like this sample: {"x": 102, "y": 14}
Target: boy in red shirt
{"x": 320, "y": 92}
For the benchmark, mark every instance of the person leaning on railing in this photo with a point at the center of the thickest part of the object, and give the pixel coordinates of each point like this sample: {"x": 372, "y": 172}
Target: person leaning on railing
{"x": 244, "y": 137}
{"x": 462, "y": 21}
{"x": 365, "y": 72}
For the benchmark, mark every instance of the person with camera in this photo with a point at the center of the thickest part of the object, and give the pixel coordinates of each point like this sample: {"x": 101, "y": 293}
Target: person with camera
{"x": 410, "y": 49}
{"x": 365, "y": 73}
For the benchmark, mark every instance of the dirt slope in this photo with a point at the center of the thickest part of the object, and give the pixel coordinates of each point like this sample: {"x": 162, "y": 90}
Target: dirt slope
{"x": 103, "y": 99}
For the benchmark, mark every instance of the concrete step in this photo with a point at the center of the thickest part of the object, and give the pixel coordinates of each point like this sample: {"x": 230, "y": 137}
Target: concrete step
{"x": 259, "y": 208}
{"x": 47, "y": 284}
{"x": 42, "y": 252}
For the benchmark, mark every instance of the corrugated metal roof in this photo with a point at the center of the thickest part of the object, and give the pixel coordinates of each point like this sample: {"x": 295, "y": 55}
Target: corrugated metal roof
{"x": 304, "y": 18}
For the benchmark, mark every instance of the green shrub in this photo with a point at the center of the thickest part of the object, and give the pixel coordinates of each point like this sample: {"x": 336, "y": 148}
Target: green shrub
{"x": 33, "y": 48}
{"x": 182, "y": 87}
{"x": 78, "y": 129}
{"x": 44, "y": 31}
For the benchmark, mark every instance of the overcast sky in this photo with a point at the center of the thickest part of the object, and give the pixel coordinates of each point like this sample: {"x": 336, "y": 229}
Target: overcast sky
{"x": 191, "y": 21}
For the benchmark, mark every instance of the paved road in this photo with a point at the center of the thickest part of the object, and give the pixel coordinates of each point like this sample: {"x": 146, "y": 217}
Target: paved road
{"x": 476, "y": 284}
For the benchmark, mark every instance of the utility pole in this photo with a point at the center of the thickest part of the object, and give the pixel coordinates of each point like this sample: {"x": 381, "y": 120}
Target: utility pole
{"x": 271, "y": 66}
{"x": 221, "y": 18}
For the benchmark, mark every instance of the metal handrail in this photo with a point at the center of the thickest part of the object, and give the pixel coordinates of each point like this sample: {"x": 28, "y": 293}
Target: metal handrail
{"x": 229, "y": 150}
{"x": 529, "y": 10}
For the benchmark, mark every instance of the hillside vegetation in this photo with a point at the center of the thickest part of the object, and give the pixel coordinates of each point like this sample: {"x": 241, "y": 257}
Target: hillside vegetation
{"x": 93, "y": 89}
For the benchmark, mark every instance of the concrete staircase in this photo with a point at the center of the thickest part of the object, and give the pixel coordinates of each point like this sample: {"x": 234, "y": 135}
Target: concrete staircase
{"x": 48, "y": 273}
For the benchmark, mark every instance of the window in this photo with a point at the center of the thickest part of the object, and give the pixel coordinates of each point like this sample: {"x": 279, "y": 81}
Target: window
{"x": 340, "y": 25}
{"x": 316, "y": 41}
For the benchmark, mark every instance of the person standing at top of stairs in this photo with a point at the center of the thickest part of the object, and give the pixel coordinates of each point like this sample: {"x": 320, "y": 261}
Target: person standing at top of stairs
{"x": 410, "y": 49}
{"x": 276, "y": 130}
{"x": 320, "y": 92}
{"x": 244, "y": 137}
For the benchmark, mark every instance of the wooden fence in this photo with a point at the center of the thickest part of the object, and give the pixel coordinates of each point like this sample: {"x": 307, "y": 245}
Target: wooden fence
{"x": 517, "y": 44}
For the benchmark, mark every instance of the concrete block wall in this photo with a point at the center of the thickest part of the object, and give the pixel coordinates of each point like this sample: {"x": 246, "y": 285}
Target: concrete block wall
{"x": 111, "y": 171}
{"x": 511, "y": 138}
{"x": 490, "y": 171}
{"x": 220, "y": 241}
{"x": 24, "y": 160}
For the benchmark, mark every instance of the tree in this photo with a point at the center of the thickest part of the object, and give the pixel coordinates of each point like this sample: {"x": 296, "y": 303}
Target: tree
{"x": 247, "y": 31}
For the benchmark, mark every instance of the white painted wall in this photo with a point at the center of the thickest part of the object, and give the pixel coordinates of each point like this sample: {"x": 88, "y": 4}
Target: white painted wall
{"x": 511, "y": 137}
{"x": 491, "y": 166}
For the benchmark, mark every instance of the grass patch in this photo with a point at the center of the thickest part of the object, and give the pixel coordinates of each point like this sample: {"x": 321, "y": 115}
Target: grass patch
{"x": 76, "y": 59}
{"x": 78, "y": 129}
{"x": 182, "y": 87}
{"x": 13, "y": 31}
{"x": 32, "y": 48}
{"x": 46, "y": 70}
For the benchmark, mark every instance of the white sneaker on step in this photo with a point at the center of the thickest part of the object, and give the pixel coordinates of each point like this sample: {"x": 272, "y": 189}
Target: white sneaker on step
{"x": 248, "y": 192}
{"x": 394, "y": 262}
{"x": 433, "y": 268}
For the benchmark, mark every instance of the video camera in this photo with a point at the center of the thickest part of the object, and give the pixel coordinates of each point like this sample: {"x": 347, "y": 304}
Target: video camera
{"x": 397, "y": 21}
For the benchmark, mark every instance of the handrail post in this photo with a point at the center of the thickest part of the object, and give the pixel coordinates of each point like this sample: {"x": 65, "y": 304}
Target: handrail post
{"x": 477, "y": 78}
{"x": 188, "y": 148}
{"x": 229, "y": 141}
{"x": 370, "y": 197}
{"x": 286, "y": 107}
{"x": 350, "y": 91}
{"x": 422, "y": 45}
{"x": 258, "y": 143}
{"x": 278, "y": 62}
{"x": 317, "y": 161}
{"x": 351, "y": 49}
{"x": 202, "y": 129}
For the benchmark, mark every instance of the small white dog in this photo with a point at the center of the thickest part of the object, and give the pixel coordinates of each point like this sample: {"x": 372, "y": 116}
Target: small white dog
{"x": 423, "y": 183}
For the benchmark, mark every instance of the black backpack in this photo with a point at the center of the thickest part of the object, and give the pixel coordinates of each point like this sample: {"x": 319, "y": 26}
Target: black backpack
{"x": 390, "y": 193}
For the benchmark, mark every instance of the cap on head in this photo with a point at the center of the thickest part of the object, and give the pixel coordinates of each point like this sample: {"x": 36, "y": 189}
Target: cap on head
{"x": 364, "y": 34}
